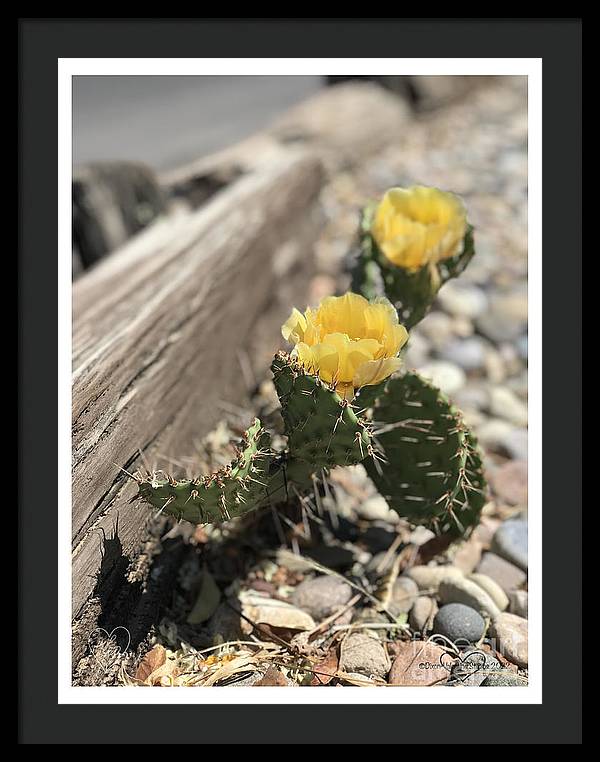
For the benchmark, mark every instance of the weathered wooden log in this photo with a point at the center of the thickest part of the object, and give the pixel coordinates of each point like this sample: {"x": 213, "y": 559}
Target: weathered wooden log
{"x": 159, "y": 328}
{"x": 111, "y": 202}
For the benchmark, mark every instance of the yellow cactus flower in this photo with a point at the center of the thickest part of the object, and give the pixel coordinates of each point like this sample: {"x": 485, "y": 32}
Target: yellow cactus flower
{"x": 419, "y": 226}
{"x": 347, "y": 341}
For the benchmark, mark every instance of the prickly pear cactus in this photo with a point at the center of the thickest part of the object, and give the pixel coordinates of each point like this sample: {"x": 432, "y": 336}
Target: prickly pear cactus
{"x": 322, "y": 428}
{"x": 230, "y": 492}
{"x": 412, "y": 291}
{"x": 432, "y": 472}
{"x": 340, "y": 401}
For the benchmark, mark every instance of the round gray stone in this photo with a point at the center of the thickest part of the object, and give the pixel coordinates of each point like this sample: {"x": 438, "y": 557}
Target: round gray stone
{"x": 321, "y": 596}
{"x": 458, "y": 622}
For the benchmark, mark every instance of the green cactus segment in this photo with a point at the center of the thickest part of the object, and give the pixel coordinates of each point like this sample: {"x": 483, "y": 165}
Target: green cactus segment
{"x": 322, "y": 428}
{"x": 232, "y": 491}
{"x": 412, "y": 293}
{"x": 433, "y": 473}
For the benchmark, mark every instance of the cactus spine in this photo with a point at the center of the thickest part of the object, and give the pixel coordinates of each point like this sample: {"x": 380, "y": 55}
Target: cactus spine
{"x": 322, "y": 428}
{"x": 411, "y": 292}
{"x": 432, "y": 472}
{"x": 415, "y": 444}
{"x": 229, "y": 492}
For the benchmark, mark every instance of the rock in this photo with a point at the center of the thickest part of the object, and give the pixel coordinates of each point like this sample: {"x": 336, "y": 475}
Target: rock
{"x": 511, "y": 633}
{"x": 420, "y": 535}
{"x": 473, "y": 418}
{"x": 404, "y": 594}
{"x": 472, "y": 667}
{"x": 512, "y": 362}
{"x": 429, "y": 577}
{"x": 437, "y": 328}
{"x": 518, "y": 603}
{"x": 459, "y": 623}
{"x": 470, "y": 594}
{"x": 462, "y": 299}
{"x": 263, "y": 610}
{"x": 503, "y": 679}
{"x": 469, "y": 354}
{"x": 445, "y": 375}
{"x": 467, "y": 556}
{"x": 422, "y": 614}
{"x": 495, "y": 368}
{"x": 492, "y": 588}
{"x": 505, "y": 319}
{"x": 509, "y": 482}
{"x": 515, "y": 444}
{"x": 507, "y": 575}
{"x": 364, "y": 654}
{"x": 375, "y": 508}
{"x": 493, "y": 434}
{"x": 417, "y": 351}
{"x": 321, "y": 596}
{"x": 418, "y": 664}
{"x": 519, "y": 384}
{"x": 505, "y": 404}
{"x": 273, "y": 677}
{"x": 485, "y": 531}
{"x": 377, "y": 568}
{"x": 473, "y": 396}
{"x": 510, "y": 542}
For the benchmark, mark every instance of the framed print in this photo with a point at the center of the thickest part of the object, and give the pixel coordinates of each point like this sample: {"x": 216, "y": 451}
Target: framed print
{"x": 299, "y": 393}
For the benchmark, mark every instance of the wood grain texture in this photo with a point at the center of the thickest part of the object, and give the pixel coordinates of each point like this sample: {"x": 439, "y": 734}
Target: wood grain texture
{"x": 157, "y": 335}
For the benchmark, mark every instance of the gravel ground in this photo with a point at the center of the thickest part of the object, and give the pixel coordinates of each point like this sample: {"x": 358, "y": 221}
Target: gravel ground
{"x": 347, "y": 593}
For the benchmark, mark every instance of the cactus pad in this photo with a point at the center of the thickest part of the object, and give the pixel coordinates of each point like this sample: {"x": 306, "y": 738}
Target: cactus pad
{"x": 433, "y": 472}
{"x": 231, "y": 491}
{"x": 410, "y": 292}
{"x": 322, "y": 428}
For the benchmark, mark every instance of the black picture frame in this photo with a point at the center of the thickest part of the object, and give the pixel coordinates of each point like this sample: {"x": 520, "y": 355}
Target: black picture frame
{"x": 41, "y": 43}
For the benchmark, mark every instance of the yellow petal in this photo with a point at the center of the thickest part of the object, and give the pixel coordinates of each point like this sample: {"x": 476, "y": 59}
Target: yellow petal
{"x": 350, "y": 354}
{"x": 345, "y": 391}
{"x": 374, "y": 371}
{"x": 343, "y": 314}
{"x": 395, "y": 340}
{"x": 326, "y": 361}
{"x": 414, "y": 226}
{"x": 304, "y": 354}
{"x": 294, "y": 327}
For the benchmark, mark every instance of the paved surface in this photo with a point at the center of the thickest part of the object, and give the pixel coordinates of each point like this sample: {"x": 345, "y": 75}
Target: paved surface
{"x": 166, "y": 121}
